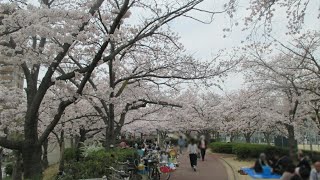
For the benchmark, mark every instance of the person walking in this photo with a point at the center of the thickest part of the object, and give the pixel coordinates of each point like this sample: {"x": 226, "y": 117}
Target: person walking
{"x": 182, "y": 144}
{"x": 193, "y": 150}
{"x": 203, "y": 147}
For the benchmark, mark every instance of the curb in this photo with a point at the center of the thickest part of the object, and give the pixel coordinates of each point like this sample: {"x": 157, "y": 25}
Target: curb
{"x": 228, "y": 166}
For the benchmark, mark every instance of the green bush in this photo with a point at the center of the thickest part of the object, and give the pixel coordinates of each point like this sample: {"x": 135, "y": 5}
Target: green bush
{"x": 213, "y": 140}
{"x": 69, "y": 154}
{"x": 314, "y": 156}
{"x": 220, "y": 147}
{"x": 9, "y": 169}
{"x": 87, "y": 169}
{"x": 245, "y": 150}
{"x": 95, "y": 165}
{"x": 273, "y": 150}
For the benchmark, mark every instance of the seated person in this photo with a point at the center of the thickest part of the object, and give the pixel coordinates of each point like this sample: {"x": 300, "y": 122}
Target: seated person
{"x": 303, "y": 162}
{"x": 164, "y": 157}
{"x": 123, "y": 144}
{"x": 272, "y": 161}
{"x": 281, "y": 165}
{"x": 315, "y": 172}
{"x": 140, "y": 152}
{"x": 262, "y": 161}
{"x": 288, "y": 172}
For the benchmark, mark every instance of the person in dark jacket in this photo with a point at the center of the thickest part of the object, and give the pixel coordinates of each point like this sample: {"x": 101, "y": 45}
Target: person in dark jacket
{"x": 262, "y": 161}
{"x": 303, "y": 162}
{"x": 281, "y": 165}
{"x": 302, "y": 173}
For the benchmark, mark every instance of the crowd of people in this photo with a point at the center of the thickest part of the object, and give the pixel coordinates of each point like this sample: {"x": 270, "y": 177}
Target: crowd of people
{"x": 196, "y": 149}
{"x": 289, "y": 170}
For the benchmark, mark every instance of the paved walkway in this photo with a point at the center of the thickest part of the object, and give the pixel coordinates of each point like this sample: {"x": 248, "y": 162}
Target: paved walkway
{"x": 210, "y": 169}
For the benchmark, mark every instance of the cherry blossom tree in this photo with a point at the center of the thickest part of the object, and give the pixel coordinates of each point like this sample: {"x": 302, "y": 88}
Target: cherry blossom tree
{"x": 294, "y": 15}
{"x": 276, "y": 74}
{"x": 59, "y": 41}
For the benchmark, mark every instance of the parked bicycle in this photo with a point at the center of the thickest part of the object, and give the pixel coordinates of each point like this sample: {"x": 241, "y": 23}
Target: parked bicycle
{"x": 130, "y": 168}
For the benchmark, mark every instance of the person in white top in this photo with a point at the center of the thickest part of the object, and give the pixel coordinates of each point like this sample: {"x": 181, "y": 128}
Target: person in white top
{"x": 193, "y": 150}
{"x": 315, "y": 172}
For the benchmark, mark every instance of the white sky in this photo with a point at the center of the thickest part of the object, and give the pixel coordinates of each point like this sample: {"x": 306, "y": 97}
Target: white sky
{"x": 203, "y": 40}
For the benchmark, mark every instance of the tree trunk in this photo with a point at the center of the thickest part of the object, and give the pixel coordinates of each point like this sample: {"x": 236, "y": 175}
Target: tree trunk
{"x": 17, "y": 169}
{"x": 45, "y": 162}
{"x": 61, "y": 144}
{"x": 217, "y": 136}
{"x": 188, "y": 134}
{"x": 72, "y": 141}
{"x": 110, "y": 133}
{"x": 82, "y": 138}
{"x": 1, "y": 159}
{"x": 232, "y": 136}
{"x": 292, "y": 142}
{"x": 31, "y": 155}
{"x": 207, "y": 135}
{"x": 76, "y": 141}
{"x": 267, "y": 137}
{"x": 110, "y": 136}
{"x": 247, "y": 136}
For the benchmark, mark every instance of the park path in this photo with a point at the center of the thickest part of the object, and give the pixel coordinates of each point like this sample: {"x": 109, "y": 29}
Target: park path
{"x": 210, "y": 169}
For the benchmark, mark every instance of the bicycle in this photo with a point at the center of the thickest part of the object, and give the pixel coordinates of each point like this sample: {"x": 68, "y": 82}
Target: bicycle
{"x": 156, "y": 170}
{"x": 130, "y": 168}
{"x": 165, "y": 171}
{"x": 153, "y": 170}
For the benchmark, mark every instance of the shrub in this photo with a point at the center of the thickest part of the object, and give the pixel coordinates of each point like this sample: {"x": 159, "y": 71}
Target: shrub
{"x": 314, "y": 156}
{"x": 213, "y": 140}
{"x": 124, "y": 154}
{"x": 9, "y": 169}
{"x": 88, "y": 150}
{"x": 273, "y": 150}
{"x": 69, "y": 154}
{"x": 220, "y": 147}
{"x": 87, "y": 169}
{"x": 94, "y": 165}
{"x": 244, "y": 150}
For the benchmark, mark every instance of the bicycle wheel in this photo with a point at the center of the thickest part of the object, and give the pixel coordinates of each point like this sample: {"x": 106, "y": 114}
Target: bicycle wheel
{"x": 166, "y": 176}
{"x": 155, "y": 174}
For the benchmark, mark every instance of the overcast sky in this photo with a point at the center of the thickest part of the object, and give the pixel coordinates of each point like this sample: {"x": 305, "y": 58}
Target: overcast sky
{"x": 203, "y": 40}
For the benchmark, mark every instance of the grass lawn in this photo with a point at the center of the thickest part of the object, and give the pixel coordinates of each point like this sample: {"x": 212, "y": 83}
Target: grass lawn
{"x": 229, "y": 159}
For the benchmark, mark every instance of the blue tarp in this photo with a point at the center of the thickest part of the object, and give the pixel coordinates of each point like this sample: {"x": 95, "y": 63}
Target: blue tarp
{"x": 255, "y": 175}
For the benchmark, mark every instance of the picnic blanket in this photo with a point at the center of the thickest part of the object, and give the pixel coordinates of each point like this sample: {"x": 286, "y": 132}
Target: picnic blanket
{"x": 255, "y": 175}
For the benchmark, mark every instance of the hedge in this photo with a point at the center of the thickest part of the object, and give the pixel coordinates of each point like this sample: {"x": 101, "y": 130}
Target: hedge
{"x": 220, "y": 147}
{"x": 245, "y": 151}
{"x": 313, "y": 155}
